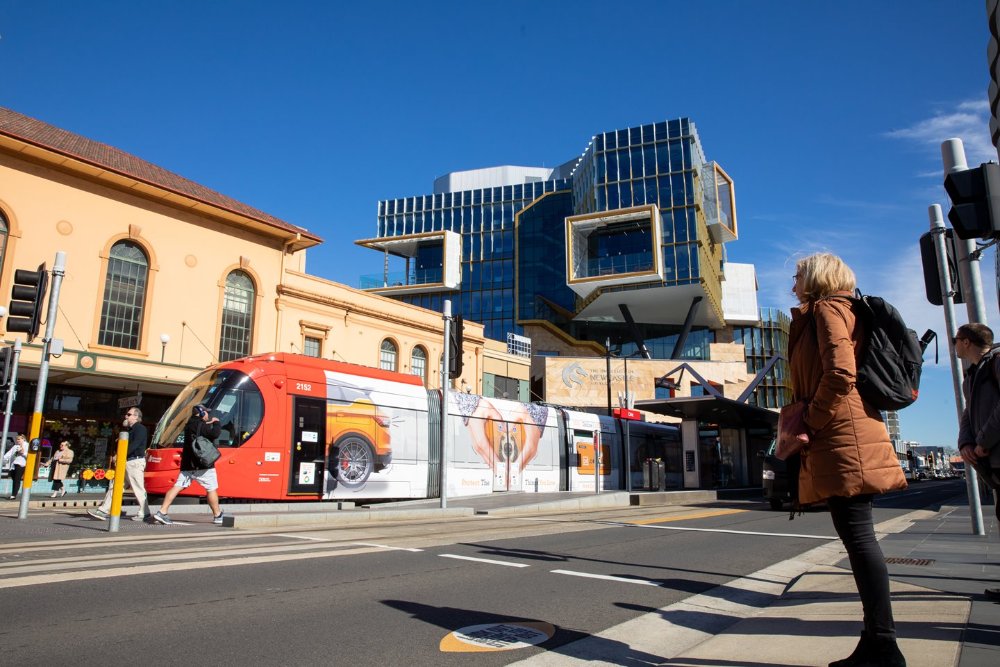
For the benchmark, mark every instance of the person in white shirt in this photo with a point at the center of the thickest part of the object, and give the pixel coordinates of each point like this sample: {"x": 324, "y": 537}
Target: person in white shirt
{"x": 17, "y": 456}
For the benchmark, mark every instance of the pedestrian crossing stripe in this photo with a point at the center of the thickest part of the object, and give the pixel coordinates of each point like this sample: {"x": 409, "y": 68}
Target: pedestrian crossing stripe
{"x": 496, "y": 637}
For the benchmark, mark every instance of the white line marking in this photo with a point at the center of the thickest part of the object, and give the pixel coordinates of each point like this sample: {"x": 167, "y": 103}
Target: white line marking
{"x": 385, "y": 546}
{"x": 304, "y": 537}
{"x": 56, "y": 577}
{"x": 607, "y": 577}
{"x": 484, "y": 560}
{"x": 720, "y": 530}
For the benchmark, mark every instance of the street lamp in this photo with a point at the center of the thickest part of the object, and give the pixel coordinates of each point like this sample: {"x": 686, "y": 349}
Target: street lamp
{"x": 164, "y": 339}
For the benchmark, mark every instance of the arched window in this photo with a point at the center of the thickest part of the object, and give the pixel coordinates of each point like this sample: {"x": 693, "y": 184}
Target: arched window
{"x": 4, "y": 231}
{"x": 387, "y": 355}
{"x": 237, "y": 317}
{"x": 418, "y": 363}
{"x": 124, "y": 296}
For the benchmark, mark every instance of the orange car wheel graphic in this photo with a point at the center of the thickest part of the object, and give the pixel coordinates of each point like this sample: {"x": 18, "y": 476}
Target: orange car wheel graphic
{"x": 356, "y": 460}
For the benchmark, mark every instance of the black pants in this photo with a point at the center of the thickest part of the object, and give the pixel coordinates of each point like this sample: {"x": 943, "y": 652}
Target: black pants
{"x": 16, "y": 473}
{"x": 852, "y": 518}
{"x": 57, "y": 484}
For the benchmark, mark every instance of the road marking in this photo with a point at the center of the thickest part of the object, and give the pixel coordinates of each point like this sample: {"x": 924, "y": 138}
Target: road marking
{"x": 625, "y": 524}
{"x": 484, "y": 560}
{"x": 496, "y": 637}
{"x": 100, "y": 560}
{"x": 386, "y": 546}
{"x": 304, "y": 537}
{"x": 608, "y": 577}
{"x": 130, "y": 570}
{"x": 685, "y": 517}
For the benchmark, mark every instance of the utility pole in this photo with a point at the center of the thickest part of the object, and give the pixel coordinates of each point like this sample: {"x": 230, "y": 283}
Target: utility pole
{"x": 58, "y": 271}
{"x": 445, "y": 420}
{"x": 11, "y": 389}
{"x": 947, "y": 300}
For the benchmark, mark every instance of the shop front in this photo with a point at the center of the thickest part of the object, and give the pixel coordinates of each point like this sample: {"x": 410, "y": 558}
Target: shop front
{"x": 90, "y": 420}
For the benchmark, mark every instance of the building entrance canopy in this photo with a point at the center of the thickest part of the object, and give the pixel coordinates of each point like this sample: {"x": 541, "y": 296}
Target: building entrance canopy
{"x": 725, "y": 412}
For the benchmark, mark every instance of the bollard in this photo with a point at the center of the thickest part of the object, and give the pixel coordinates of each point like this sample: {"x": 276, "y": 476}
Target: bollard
{"x": 118, "y": 482}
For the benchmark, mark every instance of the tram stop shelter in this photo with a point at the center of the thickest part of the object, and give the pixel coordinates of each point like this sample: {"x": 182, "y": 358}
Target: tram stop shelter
{"x": 724, "y": 429}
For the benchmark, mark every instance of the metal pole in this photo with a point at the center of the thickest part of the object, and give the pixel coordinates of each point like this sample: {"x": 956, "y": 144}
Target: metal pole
{"x": 445, "y": 381}
{"x": 971, "y": 481}
{"x": 11, "y": 389}
{"x": 58, "y": 271}
{"x": 607, "y": 354}
{"x": 597, "y": 458}
{"x": 628, "y": 441}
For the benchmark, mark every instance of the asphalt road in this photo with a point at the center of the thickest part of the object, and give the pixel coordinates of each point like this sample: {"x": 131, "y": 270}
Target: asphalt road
{"x": 386, "y": 594}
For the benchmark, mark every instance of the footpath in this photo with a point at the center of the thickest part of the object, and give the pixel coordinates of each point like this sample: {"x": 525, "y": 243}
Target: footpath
{"x": 804, "y": 611}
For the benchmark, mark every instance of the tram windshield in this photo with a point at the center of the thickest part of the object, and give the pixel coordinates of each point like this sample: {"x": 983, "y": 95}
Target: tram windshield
{"x": 228, "y": 394}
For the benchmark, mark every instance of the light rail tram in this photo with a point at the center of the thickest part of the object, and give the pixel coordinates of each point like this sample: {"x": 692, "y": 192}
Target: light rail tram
{"x": 301, "y": 428}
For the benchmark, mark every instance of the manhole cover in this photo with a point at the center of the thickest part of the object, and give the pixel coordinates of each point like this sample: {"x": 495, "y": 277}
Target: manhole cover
{"x": 909, "y": 561}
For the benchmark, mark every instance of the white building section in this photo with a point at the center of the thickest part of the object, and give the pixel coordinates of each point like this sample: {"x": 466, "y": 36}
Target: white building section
{"x": 739, "y": 294}
{"x": 490, "y": 177}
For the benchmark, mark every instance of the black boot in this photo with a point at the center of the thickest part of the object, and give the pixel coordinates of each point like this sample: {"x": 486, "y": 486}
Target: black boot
{"x": 863, "y": 653}
{"x": 886, "y": 653}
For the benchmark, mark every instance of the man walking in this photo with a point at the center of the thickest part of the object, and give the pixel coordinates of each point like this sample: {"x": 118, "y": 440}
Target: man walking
{"x": 135, "y": 468}
{"x": 200, "y": 424}
{"x": 979, "y": 429}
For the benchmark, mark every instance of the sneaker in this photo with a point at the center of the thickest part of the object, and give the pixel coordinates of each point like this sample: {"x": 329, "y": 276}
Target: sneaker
{"x": 160, "y": 517}
{"x": 992, "y": 594}
{"x": 141, "y": 517}
{"x": 98, "y": 514}
{"x": 217, "y": 520}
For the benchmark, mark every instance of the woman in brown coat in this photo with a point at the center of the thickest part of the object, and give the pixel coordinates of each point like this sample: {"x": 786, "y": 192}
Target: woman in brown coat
{"x": 848, "y": 458}
{"x": 62, "y": 458}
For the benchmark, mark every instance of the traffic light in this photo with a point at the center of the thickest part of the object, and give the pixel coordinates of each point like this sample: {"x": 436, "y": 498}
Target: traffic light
{"x": 932, "y": 279}
{"x": 975, "y": 199}
{"x": 455, "y": 347}
{"x": 6, "y": 358}
{"x": 26, "y": 297}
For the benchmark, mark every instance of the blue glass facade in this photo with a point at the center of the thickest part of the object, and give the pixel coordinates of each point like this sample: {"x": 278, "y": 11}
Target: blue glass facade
{"x": 514, "y": 242}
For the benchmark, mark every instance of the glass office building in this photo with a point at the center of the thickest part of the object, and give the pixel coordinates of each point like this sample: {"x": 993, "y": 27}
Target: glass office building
{"x": 624, "y": 243}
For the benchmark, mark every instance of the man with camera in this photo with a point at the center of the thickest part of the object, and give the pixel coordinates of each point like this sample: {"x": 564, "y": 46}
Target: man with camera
{"x": 135, "y": 468}
{"x": 200, "y": 424}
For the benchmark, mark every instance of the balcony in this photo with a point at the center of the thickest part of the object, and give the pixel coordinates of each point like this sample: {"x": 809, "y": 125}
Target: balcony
{"x": 431, "y": 263}
{"x": 415, "y": 278}
{"x": 614, "y": 248}
{"x": 608, "y": 266}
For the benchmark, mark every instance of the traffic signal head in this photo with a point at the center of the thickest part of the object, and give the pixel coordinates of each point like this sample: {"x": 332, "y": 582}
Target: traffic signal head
{"x": 932, "y": 279}
{"x": 455, "y": 360}
{"x": 6, "y": 358}
{"x": 26, "y": 298}
{"x": 975, "y": 199}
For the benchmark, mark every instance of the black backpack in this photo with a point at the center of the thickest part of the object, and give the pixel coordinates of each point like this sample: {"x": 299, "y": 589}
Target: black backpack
{"x": 888, "y": 373}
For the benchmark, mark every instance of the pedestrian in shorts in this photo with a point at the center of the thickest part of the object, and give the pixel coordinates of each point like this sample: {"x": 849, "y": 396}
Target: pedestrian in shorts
{"x": 201, "y": 423}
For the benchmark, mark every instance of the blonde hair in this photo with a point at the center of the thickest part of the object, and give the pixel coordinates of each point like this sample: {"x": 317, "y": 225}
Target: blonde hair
{"x": 822, "y": 274}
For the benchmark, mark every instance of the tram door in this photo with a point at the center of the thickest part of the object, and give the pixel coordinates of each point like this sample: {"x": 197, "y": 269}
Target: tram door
{"x": 507, "y": 441}
{"x": 308, "y": 446}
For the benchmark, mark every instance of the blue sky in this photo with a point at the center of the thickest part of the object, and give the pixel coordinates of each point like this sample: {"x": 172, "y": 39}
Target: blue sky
{"x": 828, "y": 116}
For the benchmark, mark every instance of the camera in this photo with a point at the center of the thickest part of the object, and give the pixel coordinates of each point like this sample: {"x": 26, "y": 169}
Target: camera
{"x": 199, "y": 411}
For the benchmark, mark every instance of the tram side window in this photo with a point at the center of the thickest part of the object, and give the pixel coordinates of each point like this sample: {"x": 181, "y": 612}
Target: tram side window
{"x": 240, "y": 414}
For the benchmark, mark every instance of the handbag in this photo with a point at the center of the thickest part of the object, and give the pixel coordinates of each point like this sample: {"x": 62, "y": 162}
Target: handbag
{"x": 791, "y": 430}
{"x": 204, "y": 452}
